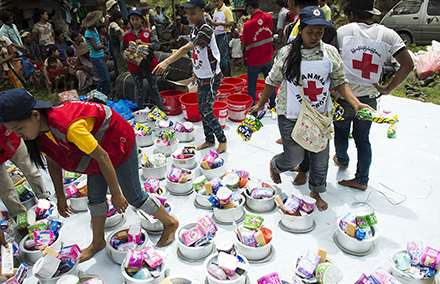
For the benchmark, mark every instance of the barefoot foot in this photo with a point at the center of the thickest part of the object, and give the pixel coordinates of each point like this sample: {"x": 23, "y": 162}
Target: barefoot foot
{"x": 168, "y": 233}
{"x": 353, "y": 183}
{"x": 273, "y": 175}
{"x": 295, "y": 169}
{"x": 300, "y": 179}
{"x": 222, "y": 147}
{"x": 335, "y": 159}
{"x": 93, "y": 248}
{"x": 320, "y": 203}
{"x": 279, "y": 141}
{"x": 204, "y": 145}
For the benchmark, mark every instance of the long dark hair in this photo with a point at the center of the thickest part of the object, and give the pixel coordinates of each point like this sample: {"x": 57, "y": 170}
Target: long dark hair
{"x": 33, "y": 146}
{"x": 293, "y": 61}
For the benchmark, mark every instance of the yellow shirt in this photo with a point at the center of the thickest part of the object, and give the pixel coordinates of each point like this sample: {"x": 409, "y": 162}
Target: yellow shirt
{"x": 228, "y": 15}
{"x": 79, "y": 133}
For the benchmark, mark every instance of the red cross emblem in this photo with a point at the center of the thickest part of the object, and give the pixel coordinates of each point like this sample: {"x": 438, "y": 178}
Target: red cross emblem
{"x": 195, "y": 58}
{"x": 365, "y": 65}
{"x": 311, "y": 91}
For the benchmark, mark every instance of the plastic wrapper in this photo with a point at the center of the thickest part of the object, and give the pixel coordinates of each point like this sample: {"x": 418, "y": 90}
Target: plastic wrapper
{"x": 391, "y": 132}
{"x": 253, "y": 221}
{"x": 307, "y": 264}
{"x": 381, "y": 276}
{"x": 165, "y": 136}
{"x": 349, "y": 218}
{"x": 337, "y": 111}
{"x": 248, "y": 238}
{"x": 154, "y": 160}
{"x": 192, "y": 235}
{"x": 415, "y": 252}
{"x": 376, "y": 117}
{"x": 430, "y": 258}
{"x": 428, "y": 64}
{"x": 292, "y": 204}
{"x": 259, "y": 193}
{"x": 156, "y": 114}
{"x": 142, "y": 130}
{"x": 151, "y": 257}
{"x": 250, "y": 125}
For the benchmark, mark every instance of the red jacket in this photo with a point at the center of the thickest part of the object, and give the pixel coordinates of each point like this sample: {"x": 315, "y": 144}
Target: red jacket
{"x": 111, "y": 131}
{"x": 144, "y": 36}
{"x": 9, "y": 142}
{"x": 257, "y": 36}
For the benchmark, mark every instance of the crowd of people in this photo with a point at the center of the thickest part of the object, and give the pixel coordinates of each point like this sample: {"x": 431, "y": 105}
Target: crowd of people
{"x": 93, "y": 139}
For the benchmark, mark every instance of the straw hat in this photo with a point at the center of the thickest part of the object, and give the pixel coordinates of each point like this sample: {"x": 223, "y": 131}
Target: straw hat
{"x": 82, "y": 49}
{"x": 145, "y": 6}
{"x": 24, "y": 34}
{"x": 109, "y": 4}
{"x": 91, "y": 19}
{"x": 238, "y": 8}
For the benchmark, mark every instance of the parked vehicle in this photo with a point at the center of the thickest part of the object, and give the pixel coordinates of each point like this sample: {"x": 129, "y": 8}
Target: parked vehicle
{"x": 416, "y": 21}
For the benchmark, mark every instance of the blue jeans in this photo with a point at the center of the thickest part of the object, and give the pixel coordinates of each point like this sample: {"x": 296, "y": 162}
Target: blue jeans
{"x": 361, "y": 132}
{"x": 159, "y": 30}
{"x": 103, "y": 75}
{"x": 128, "y": 179}
{"x": 139, "y": 95}
{"x": 223, "y": 46}
{"x": 252, "y": 72}
{"x": 211, "y": 126}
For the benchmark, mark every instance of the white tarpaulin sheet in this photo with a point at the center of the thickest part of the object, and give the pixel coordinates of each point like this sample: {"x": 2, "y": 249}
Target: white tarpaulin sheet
{"x": 405, "y": 167}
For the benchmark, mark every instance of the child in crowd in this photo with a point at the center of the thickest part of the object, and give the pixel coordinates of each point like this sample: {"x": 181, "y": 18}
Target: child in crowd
{"x": 52, "y": 53}
{"x": 93, "y": 41}
{"x": 71, "y": 61}
{"x": 235, "y": 49}
{"x": 142, "y": 35}
{"x": 56, "y": 74}
{"x": 206, "y": 67}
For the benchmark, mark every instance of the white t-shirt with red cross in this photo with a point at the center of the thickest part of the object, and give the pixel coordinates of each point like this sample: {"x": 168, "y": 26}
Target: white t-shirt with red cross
{"x": 364, "y": 48}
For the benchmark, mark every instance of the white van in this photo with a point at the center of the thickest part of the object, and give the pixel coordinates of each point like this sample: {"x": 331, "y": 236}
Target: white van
{"x": 416, "y": 21}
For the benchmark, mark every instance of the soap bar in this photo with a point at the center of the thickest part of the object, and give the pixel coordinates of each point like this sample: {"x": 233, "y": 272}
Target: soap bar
{"x": 260, "y": 238}
{"x": 322, "y": 252}
{"x": 48, "y": 250}
{"x": 351, "y": 230}
{"x": 205, "y": 165}
{"x": 166, "y": 281}
{"x": 208, "y": 188}
{"x": 230, "y": 205}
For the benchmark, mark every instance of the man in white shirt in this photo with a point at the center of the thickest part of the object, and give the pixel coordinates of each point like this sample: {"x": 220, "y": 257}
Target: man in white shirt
{"x": 364, "y": 47}
{"x": 281, "y": 23}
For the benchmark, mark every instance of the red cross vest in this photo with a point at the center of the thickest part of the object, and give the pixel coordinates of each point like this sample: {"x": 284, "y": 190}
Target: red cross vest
{"x": 364, "y": 57}
{"x": 144, "y": 36}
{"x": 111, "y": 131}
{"x": 201, "y": 65}
{"x": 9, "y": 142}
{"x": 316, "y": 84}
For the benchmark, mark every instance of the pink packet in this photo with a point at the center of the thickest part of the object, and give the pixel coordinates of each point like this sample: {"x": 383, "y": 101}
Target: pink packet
{"x": 72, "y": 252}
{"x": 152, "y": 185}
{"x": 175, "y": 174}
{"x": 213, "y": 153}
{"x": 430, "y": 258}
{"x": 127, "y": 246}
{"x": 261, "y": 192}
{"x": 135, "y": 259}
{"x": 179, "y": 127}
{"x": 349, "y": 218}
{"x": 363, "y": 280}
{"x": 207, "y": 225}
{"x": 134, "y": 234}
{"x": 161, "y": 199}
{"x": 415, "y": 251}
{"x": 382, "y": 276}
{"x": 12, "y": 280}
{"x": 43, "y": 237}
{"x": 227, "y": 262}
{"x": 192, "y": 235}
{"x": 72, "y": 191}
{"x": 42, "y": 206}
{"x": 248, "y": 238}
{"x": 272, "y": 278}
{"x": 216, "y": 272}
{"x": 151, "y": 257}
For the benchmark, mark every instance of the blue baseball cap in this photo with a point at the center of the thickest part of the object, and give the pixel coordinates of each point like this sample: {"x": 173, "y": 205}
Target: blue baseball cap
{"x": 135, "y": 10}
{"x": 313, "y": 15}
{"x": 194, "y": 3}
{"x": 15, "y": 103}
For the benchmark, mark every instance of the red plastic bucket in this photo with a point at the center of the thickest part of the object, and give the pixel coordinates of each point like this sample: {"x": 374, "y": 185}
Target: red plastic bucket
{"x": 189, "y": 106}
{"x": 170, "y": 101}
{"x": 238, "y": 106}
{"x": 223, "y": 91}
{"x": 237, "y": 82}
{"x": 244, "y": 77}
{"x": 221, "y": 112}
{"x": 261, "y": 82}
{"x": 258, "y": 92}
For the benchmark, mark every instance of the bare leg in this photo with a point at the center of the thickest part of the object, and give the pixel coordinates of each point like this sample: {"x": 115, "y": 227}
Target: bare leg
{"x": 273, "y": 175}
{"x": 170, "y": 226}
{"x": 222, "y": 147}
{"x": 300, "y": 179}
{"x": 295, "y": 169}
{"x": 98, "y": 242}
{"x": 204, "y": 145}
{"x": 320, "y": 203}
{"x": 335, "y": 159}
{"x": 279, "y": 141}
{"x": 353, "y": 183}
